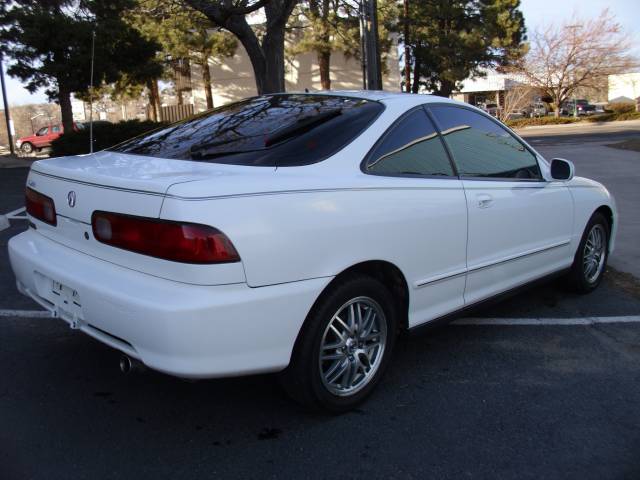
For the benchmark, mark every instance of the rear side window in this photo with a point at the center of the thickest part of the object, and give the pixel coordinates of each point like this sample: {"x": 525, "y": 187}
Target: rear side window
{"x": 411, "y": 147}
{"x": 482, "y": 148}
{"x": 275, "y": 130}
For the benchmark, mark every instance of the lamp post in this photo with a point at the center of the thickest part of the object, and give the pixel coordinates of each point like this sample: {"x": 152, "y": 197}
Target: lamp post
{"x": 93, "y": 50}
{"x": 7, "y": 117}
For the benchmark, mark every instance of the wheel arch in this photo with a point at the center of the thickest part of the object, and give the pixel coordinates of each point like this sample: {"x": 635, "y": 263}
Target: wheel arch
{"x": 387, "y": 273}
{"x": 608, "y": 214}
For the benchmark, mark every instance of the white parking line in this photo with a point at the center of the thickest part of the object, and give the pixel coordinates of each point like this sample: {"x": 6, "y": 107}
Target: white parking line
{"x": 15, "y": 214}
{"x": 25, "y": 313}
{"x": 548, "y": 321}
{"x": 461, "y": 322}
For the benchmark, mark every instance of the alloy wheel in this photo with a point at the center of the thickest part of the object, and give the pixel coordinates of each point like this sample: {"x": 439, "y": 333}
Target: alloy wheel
{"x": 352, "y": 346}
{"x": 594, "y": 253}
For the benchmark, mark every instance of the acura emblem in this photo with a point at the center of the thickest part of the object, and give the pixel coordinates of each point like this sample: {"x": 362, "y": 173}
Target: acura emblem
{"x": 71, "y": 198}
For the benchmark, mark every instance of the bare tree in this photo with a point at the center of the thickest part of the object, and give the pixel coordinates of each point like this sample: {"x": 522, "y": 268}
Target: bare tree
{"x": 266, "y": 52}
{"x": 577, "y": 54}
{"x": 517, "y": 99}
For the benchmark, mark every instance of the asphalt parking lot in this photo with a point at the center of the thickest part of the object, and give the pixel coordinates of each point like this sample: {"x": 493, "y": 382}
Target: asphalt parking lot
{"x": 502, "y": 400}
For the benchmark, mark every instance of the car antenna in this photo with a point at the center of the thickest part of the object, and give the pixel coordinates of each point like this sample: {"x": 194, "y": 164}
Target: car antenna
{"x": 93, "y": 50}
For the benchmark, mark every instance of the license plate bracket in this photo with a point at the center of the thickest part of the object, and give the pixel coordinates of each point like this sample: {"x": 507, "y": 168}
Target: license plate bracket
{"x": 67, "y": 303}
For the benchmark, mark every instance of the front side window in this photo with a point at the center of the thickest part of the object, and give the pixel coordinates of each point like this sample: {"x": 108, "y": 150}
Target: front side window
{"x": 274, "y": 130}
{"x": 411, "y": 147}
{"x": 42, "y": 131}
{"x": 482, "y": 148}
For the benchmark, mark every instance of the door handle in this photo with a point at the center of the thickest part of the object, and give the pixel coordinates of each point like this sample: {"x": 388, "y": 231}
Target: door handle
{"x": 484, "y": 200}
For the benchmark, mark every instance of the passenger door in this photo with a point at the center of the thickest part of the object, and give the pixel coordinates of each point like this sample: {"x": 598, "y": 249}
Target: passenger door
{"x": 520, "y": 225}
{"x": 427, "y": 214}
{"x": 56, "y": 132}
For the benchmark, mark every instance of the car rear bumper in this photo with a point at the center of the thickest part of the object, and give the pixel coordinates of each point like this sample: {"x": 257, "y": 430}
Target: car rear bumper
{"x": 185, "y": 330}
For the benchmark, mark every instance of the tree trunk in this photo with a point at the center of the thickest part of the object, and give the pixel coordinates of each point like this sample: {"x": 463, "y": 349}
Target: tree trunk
{"x": 273, "y": 47}
{"x": 417, "y": 65}
{"x": 206, "y": 79}
{"x": 267, "y": 59}
{"x": 324, "y": 62}
{"x": 241, "y": 29}
{"x": 446, "y": 87}
{"x": 64, "y": 98}
{"x": 153, "y": 111}
{"x": 156, "y": 100}
{"x": 556, "y": 108}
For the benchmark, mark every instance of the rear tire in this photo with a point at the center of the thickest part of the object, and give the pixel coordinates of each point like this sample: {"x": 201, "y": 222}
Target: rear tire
{"x": 26, "y": 148}
{"x": 591, "y": 258}
{"x": 344, "y": 346}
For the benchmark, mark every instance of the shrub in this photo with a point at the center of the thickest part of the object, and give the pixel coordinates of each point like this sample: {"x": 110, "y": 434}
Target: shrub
{"x": 629, "y": 116}
{"x": 105, "y": 135}
{"x": 623, "y": 107}
{"x": 611, "y": 117}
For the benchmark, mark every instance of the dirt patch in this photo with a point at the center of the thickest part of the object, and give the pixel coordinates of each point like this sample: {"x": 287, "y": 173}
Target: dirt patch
{"x": 631, "y": 144}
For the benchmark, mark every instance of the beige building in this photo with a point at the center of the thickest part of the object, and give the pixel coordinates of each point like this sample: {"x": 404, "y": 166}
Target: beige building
{"x": 232, "y": 78}
{"x": 625, "y": 86}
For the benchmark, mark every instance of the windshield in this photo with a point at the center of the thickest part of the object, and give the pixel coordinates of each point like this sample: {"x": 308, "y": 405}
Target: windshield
{"x": 274, "y": 130}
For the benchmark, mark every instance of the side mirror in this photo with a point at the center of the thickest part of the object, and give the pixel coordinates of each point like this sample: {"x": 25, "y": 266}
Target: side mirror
{"x": 561, "y": 169}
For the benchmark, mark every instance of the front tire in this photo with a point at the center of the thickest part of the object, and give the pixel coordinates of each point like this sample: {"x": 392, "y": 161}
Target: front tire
{"x": 344, "y": 346}
{"x": 591, "y": 258}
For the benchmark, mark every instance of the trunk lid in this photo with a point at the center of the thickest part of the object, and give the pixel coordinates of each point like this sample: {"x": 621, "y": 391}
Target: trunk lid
{"x": 120, "y": 183}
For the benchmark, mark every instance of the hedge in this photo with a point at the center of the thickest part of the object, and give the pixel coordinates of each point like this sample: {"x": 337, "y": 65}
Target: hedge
{"x": 528, "y": 122}
{"x": 105, "y": 135}
{"x": 615, "y": 116}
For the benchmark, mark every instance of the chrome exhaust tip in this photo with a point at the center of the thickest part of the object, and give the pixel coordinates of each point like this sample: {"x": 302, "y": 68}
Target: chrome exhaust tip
{"x": 129, "y": 365}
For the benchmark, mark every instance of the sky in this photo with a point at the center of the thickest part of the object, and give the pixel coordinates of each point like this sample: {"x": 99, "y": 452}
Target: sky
{"x": 536, "y": 13}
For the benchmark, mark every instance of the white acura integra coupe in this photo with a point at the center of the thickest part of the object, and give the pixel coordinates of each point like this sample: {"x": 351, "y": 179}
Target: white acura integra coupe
{"x": 300, "y": 233}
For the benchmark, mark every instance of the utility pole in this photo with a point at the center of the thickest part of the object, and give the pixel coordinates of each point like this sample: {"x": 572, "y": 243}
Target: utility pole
{"x": 407, "y": 49}
{"x": 363, "y": 43}
{"x": 370, "y": 44}
{"x": 7, "y": 117}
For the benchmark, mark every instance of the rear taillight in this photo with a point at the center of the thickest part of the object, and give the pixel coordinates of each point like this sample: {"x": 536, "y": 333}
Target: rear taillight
{"x": 175, "y": 241}
{"x": 41, "y": 207}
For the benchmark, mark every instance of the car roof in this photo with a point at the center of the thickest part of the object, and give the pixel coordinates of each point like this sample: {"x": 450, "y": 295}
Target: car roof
{"x": 409, "y": 99}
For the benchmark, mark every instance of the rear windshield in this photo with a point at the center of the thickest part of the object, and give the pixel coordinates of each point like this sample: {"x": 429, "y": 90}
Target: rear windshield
{"x": 274, "y": 130}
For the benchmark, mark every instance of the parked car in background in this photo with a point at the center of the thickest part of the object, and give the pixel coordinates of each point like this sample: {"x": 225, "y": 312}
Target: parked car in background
{"x": 582, "y": 106}
{"x": 42, "y": 138}
{"x": 536, "y": 109}
{"x": 300, "y": 233}
{"x": 491, "y": 108}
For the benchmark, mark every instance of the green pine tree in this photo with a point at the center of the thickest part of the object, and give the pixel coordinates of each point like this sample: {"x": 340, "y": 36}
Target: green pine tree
{"x": 451, "y": 40}
{"x": 49, "y": 43}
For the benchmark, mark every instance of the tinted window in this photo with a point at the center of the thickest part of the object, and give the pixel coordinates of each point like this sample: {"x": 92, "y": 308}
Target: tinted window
{"x": 411, "y": 147}
{"x": 275, "y": 130}
{"x": 55, "y": 129}
{"x": 42, "y": 131}
{"x": 482, "y": 148}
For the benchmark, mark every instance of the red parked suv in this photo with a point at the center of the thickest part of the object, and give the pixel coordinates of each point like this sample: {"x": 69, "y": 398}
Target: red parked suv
{"x": 42, "y": 138}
